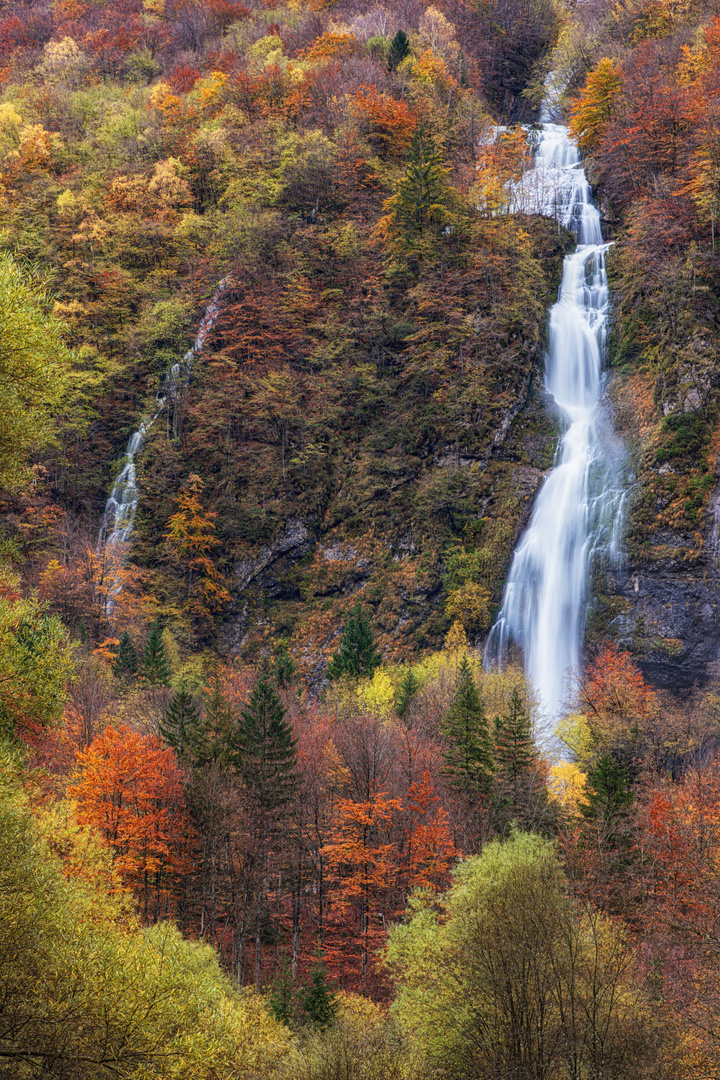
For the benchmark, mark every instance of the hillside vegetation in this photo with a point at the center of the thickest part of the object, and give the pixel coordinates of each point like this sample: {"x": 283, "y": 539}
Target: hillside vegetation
{"x": 262, "y": 812}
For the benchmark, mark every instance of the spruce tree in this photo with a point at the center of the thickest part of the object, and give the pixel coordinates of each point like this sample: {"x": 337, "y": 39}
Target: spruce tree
{"x": 181, "y": 727}
{"x": 126, "y": 664}
{"x": 520, "y": 794}
{"x": 399, "y": 49}
{"x": 357, "y": 655}
{"x": 608, "y": 795}
{"x": 419, "y": 209}
{"x": 265, "y": 751}
{"x": 284, "y": 667}
{"x": 218, "y": 727}
{"x": 156, "y": 668}
{"x": 468, "y": 754}
{"x": 318, "y": 1000}
{"x": 515, "y": 753}
{"x": 409, "y": 686}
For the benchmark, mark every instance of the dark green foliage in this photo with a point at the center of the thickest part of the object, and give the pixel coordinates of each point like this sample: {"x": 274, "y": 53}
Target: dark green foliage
{"x": 318, "y": 1001}
{"x": 420, "y": 207}
{"x": 399, "y": 49}
{"x": 126, "y": 664}
{"x": 520, "y": 793}
{"x": 265, "y": 751}
{"x": 156, "y": 668}
{"x": 357, "y": 655}
{"x": 281, "y": 999}
{"x": 181, "y": 727}
{"x": 284, "y": 667}
{"x": 515, "y": 752}
{"x": 219, "y": 721}
{"x": 468, "y": 753}
{"x": 409, "y": 686}
{"x": 608, "y": 793}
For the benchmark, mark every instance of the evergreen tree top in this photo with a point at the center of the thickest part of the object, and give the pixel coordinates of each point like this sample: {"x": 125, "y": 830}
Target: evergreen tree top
{"x": 357, "y": 655}
{"x": 468, "y": 754}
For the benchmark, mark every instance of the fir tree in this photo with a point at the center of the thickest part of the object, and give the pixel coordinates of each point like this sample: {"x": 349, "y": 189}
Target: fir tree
{"x": 284, "y": 668}
{"x": 318, "y": 1000}
{"x": 409, "y": 686}
{"x": 156, "y": 668}
{"x": 608, "y": 795}
{"x": 219, "y": 723}
{"x": 357, "y": 655}
{"x": 419, "y": 209}
{"x": 265, "y": 752}
{"x": 515, "y": 752}
{"x": 181, "y": 727}
{"x": 520, "y": 793}
{"x": 399, "y": 49}
{"x": 126, "y": 664}
{"x": 468, "y": 755}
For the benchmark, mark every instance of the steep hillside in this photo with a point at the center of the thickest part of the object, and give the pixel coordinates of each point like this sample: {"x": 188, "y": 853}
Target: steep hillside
{"x": 352, "y": 423}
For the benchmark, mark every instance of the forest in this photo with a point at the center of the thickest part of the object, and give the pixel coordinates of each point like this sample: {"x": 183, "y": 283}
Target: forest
{"x": 273, "y": 321}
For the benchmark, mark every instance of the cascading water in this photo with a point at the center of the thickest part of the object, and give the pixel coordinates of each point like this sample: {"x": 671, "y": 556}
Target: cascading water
{"x": 578, "y": 512}
{"x": 119, "y": 516}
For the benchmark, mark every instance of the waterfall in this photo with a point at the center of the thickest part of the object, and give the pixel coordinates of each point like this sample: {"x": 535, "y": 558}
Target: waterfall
{"x": 119, "y": 516}
{"x": 578, "y": 512}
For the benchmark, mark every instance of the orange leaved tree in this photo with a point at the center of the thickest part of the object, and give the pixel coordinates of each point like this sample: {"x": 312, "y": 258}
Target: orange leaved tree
{"x": 131, "y": 789}
{"x": 362, "y": 865}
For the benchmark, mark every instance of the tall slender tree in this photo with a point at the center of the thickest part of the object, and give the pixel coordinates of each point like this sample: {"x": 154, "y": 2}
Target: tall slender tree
{"x": 468, "y": 752}
{"x": 357, "y": 654}
{"x": 156, "y": 668}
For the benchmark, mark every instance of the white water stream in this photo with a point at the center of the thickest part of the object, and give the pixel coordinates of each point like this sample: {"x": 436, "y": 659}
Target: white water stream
{"x": 120, "y": 509}
{"x": 578, "y": 512}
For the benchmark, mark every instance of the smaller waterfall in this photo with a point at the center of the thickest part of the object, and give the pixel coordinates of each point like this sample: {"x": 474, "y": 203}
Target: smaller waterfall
{"x": 579, "y": 510}
{"x": 119, "y": 516}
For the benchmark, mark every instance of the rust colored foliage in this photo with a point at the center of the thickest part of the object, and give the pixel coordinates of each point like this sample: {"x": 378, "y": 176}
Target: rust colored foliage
{"x": 614, "y": 691}
{"x": 390, "y": 123}
{"x": 130, "y": 788}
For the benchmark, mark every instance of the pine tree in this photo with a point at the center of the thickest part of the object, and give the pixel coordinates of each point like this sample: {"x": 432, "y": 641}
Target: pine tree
{"x": 515, "y": 752}
{"x": 265, "y": 753}
{"x": 318, "y": 1000}
{"x": 284, "y": 668}
{"x": 419, "y": 209}
{"x": 219, "y": 723}
{"x": 126, "y": 664}
{"x": 156, "y": 668}
{"x": 399, "y": 49}
{"x": 357, "y": 655}
{"x": 468, "y": 755}
{"x": 608, "y": 795}
{"x": 181, "y": 726}
{"x": 409, "y": 686}
{"x": 520, "y": 793}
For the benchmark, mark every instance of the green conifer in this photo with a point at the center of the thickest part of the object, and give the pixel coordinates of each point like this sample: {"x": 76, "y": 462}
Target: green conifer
{"x": 468, "y": 754}
{"x": 515, "y": 753}
{"x": 357, "y": 655}
{"x": 265, "y": 751}
{"x": 399, "y": 49}
{"x": 318, "y": 1000}
{"x": 126, "y": 664}
{"x": 409, "y": 686}
{"x": 419, "y": 209}
{"x": 520, "y": 794}
{"x": 156, "y": 668}
{"x": 284, "y": 667}
{"x": 181, "y": 727}
{"x": 608, "y": 795}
